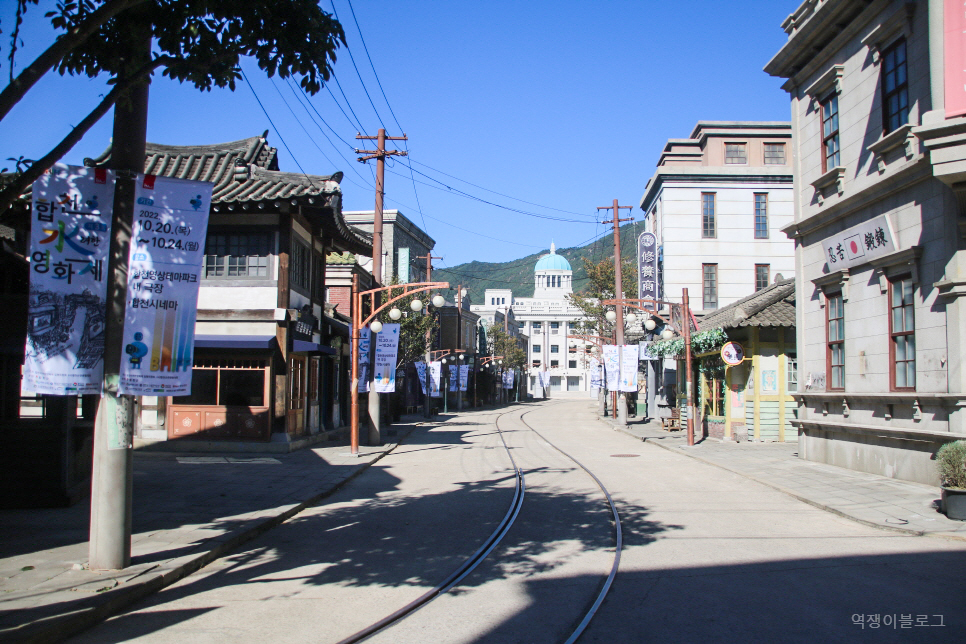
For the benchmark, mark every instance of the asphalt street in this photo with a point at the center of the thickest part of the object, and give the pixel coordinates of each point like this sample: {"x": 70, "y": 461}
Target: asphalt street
{"x": 708, "y": 554}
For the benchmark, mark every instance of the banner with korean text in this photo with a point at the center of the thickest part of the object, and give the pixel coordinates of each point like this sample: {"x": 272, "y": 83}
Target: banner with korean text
{"x": 70, "y": 235}
{"x": 365, "y": 342}
{"x": 612, "y": 366}
{"x": 629, "y": 360}
{"x": 464, "y": 376}
{"x": 435, "y": 373}
{"x": 453, "y": 377}
{"x": 508, "y": 379}
{"x": 595, "y": 379}
{"x": 421, "y": 375}
{"x": 164, "y": 273}
{"x": 387, "y": 347}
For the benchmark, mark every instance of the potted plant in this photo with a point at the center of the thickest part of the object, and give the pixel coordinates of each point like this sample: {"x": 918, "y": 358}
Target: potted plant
{"x": 951, "y": 460}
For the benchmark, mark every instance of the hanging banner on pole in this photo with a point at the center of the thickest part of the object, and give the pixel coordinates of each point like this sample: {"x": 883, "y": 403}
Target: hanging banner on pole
{"x": 70, "y": 236}
{"x": 387, "y": 347}
{"x": 595, "y": 378}
{"x": 544, "y": 379}
{"x": 612, "y": 366}
{"x": 365, "y": 338}
{"x": 453, "y": 377}
{"x": 508, "y": 379}
{"x": 464, "y": 377}
{"x": 435, "y": 373}
{"x": 164, "y": 273}
{"x": 629, "y": 360}
{"x": 647, "y": 269}
{"x": 421, "y": 375}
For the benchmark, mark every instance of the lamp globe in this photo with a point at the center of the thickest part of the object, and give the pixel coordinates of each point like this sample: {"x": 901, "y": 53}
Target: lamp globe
{"x": 376, "y": 326}
{"x": 438, "y": 301}
{"x": 394, "y": 313}
{"x": 416, "y": 305}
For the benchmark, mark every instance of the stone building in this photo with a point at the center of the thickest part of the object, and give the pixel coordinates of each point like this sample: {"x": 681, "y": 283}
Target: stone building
{"x": 878, "y": 107}
{"x": 717, "y": 203}
{"x": 403, "y": 244}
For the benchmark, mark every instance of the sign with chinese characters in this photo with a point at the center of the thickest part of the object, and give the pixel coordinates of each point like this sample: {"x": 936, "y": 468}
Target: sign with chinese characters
{"x": 647, "y": 269}
{"x": 859, "y": 244}
{"x": 732, "y": 353}
{"x": 384, "y": 369}
{"x": 164, "y": 272}
{"x": 954, "y": 52}
{"x": 629, "y": 360}
{"x": 464, "y": 376}
{"x": 70, "y": 234}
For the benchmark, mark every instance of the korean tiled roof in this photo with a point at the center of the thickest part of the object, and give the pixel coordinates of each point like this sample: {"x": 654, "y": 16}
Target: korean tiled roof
{"x": 773, "y": 305}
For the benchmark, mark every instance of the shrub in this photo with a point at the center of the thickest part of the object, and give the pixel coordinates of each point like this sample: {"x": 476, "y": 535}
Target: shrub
{"x": 951, "y": 459}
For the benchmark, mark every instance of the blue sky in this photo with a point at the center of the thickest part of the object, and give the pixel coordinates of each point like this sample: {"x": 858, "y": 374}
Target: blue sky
{"x": 561, "y": 104}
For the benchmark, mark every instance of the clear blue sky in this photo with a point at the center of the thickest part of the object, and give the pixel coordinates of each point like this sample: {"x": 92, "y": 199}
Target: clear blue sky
{"x": 563, "y": 104}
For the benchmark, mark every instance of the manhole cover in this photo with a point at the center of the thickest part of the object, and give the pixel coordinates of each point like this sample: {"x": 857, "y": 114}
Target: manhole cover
{"x": 624, "y": 455}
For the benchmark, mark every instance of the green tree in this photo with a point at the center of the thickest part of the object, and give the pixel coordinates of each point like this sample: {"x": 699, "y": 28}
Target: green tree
{"x": 195, "y": 41}
{"x": 413, "y": 326}
{"x": 501, "y": 343}
{"x": 601, "y": 286}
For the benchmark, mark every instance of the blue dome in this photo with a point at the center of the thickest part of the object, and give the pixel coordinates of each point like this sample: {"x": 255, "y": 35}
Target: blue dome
{"x": 552, "y": 262}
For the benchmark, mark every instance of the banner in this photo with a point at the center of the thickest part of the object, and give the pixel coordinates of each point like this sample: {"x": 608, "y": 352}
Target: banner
{"x": 628, "y": 378}
{"x": 70, "y": 234}
{"x": 647, "y": 268}
{"x": 363, "y": 379}
{"x": 508, "y": 379}
{"x": 365, "y": 338}
{"x": 387, "y": 348}
{"x": 421, "y": 375}
{"x": 644, "y": 351}
{"x": 464, "y": 377}
{"x": 612, "y": 366}
{"x": 453, "y": 377}
{"x": 164, "y": 272}
{"x": 595, "y": 377}
{"x": 544, "y": 379}
{"x": 435, "y": 372}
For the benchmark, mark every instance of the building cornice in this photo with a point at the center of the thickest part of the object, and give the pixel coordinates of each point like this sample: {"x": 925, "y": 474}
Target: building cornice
{"x": 713, "y": 174}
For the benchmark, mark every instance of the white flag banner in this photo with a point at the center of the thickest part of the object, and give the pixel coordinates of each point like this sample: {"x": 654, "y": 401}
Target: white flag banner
{"x": 464, "y": 377}
{"x": 453, "y": 377}
{"x": 70, "y": 234}
{"x": 421, "y": 375}
{"x": 612, "y": 366}
{"x": 508, "y": 379}
{"x": 544, "y": 379}
{"x": 387, "y": 348}
{"x": 164, "y": 273}
{"x": 629, "y": 360}
{"x": 595, "y": 378}
{"x": 363, "y": 378}
{"x": 435, "y": 373}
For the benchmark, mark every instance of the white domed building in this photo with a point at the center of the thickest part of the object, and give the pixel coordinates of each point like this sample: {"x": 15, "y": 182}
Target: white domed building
{"x": 547, "y": 319}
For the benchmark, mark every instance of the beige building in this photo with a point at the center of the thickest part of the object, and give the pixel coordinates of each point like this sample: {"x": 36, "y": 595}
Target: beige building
{"x": 880, "y": 164}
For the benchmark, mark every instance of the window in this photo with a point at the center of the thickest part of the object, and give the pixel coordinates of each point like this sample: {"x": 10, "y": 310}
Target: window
{"x": 555, "y": 325}
{"x": 735, "y": 153}
{"x": 762, "y": 276}
{"x": 835, "y": 334}
{"x": 536, "y": 363}
{"x": 554, "y": 363}
{"x": 227, "y": 382}
{"x": 572, "y": 364}
{"x": 554, "y": 348}
{"x": 538, "y": 326}
{"x": 791, "y": 371}
{"x": 300, "y": 264}
{"x": 318, "y": 276}
{"x": 707, "y": 215}
{"x": 774, "y": 154}
{"x": 571, "y": 325}
{"x": 830, "y": 133}
{"x": 902, "y": 328}
{"x": 761, "y": 216}
{"x": 537, "y": 348}
{"x": 710, "y": 279}
{"x": 895, "y": 87}
{"x": 523, "y": 325}
{"x": 234, "y": 255}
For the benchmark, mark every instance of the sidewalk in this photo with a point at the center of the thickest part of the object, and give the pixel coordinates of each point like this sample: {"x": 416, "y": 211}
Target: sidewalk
{"x": 188, "y": 511}
{"x": 870, "y": 499}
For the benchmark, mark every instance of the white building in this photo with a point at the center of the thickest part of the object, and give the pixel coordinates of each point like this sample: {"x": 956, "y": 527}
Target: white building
{"x": 717, "y": 203}
{"x": 547, "y": 318}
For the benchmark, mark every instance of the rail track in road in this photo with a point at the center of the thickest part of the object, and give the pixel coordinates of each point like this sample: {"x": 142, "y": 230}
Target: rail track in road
{"x": 494, "y": 539}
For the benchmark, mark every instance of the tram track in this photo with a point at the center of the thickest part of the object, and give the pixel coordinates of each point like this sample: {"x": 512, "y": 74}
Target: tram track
{"x": 494, "y": 540}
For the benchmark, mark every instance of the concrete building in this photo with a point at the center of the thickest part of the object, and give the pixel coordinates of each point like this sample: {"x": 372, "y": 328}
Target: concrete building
{"x": 547, "y": 318}
{"x": 878, "y": 109}
{"x": 717, "y": 203}
{"x": 403, "y": 242}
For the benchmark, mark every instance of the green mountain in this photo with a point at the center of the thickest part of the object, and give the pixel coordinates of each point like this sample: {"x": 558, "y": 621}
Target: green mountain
{"x": 518, "y": 274}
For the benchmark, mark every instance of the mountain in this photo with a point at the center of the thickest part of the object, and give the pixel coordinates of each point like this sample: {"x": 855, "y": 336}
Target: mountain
{"x": 518, "y": 274}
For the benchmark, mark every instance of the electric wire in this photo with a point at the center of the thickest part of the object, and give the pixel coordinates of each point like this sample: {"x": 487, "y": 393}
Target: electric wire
{"x": 272, "y": 123}
{"x": 378, "y": 82}
{"x": 358, "y": 73}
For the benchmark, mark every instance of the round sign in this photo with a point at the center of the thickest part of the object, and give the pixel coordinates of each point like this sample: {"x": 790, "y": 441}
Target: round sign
{"x": 732, "y": 353}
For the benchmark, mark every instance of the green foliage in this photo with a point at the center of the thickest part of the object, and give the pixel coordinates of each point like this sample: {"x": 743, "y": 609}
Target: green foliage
{"x": 413, "y": 327}
{"x": 951, "y": 461}
{"x": 503, "y": 344}
{"x": 701, "y": 342}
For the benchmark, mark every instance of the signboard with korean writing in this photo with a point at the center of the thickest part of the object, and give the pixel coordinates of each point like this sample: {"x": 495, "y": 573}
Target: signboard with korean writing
{"x": 387, "y": 347}
{"x": 164, "y": 272}
{"x": 647, "y": 267}
{"x": 859, "y": 244}
{"x": 628, "y": 375}
{"x": 70, "y": 234}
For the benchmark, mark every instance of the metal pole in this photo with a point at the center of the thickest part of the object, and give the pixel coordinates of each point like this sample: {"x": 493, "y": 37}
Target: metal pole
{"x": 354, "y": 384}
{"x": 113, "y": 464}
{"x": 686, "y": 326}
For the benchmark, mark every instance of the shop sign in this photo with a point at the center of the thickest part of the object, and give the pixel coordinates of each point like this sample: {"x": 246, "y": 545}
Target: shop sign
{"x": 732, "y": 353}
{"x": 164, "y": 273}
{"x": 859, "y": 244}
{"x": 647, "y": 266}
{"x": 70, "y": 234}
{"x": 305, "y": 324}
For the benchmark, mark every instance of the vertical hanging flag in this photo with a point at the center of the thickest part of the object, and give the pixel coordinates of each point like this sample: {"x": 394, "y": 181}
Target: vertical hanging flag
{"x": 629, "y": 360}
{"x": 421, "y": 375}
{"x": 464, "y": 376}
{"x": 612, "y": 366}
{"x": 508, "y": 379}
{"x": 647, "y": 269}
{"x": 387, "y": 347}
{"x": 164, "y": 273}
{"x": 595, "y": 379}
{"x": 435, "y": 371}
{"x": 453, "y": 377}
{"x": 365, "y": 341}
{"x": 70, "y": 234}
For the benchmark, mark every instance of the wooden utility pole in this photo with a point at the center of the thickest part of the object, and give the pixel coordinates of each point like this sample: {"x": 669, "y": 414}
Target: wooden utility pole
{"x": 380, "y": 154}
{"x": 427, "y": 402}
{"x": 618, "y": 286}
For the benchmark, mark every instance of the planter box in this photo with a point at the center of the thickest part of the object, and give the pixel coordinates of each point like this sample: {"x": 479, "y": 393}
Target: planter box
{"x": 954, "y": 503}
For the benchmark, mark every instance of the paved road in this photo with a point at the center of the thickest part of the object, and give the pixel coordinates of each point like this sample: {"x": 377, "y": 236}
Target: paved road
{"x": 708, "y": 555}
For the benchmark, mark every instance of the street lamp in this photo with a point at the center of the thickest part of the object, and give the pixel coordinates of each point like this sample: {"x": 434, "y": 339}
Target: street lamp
{"x": 438, "y": 301}
{"x": 630, "y": 318}
{"x": 650, "y": 324}
{"x": 394, "y": 314}
{"x": 416, "y": 305}
{"x": 376, "y": 326}
{"x": 667, "y": 334}
{"x": 611, "y": 316}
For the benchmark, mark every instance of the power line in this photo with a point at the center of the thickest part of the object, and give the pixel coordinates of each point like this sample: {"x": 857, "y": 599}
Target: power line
{"x": 355, "y": 67}
{"x": 272, "y": 123}
{"x": 366, "y": 49}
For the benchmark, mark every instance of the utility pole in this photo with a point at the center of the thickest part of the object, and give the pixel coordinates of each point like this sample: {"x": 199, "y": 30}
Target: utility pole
{"x": 380, "y": 155}
{"x": 459, "y": 345}
{"x": 427, "y": 402}
{"x": 112, "y": 476}
{"x": 618, "y": 293}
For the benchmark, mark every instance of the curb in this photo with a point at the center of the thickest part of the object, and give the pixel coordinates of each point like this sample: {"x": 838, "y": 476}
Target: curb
{"x": 795, "y": 495}
{"x": 60, "y": 627}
